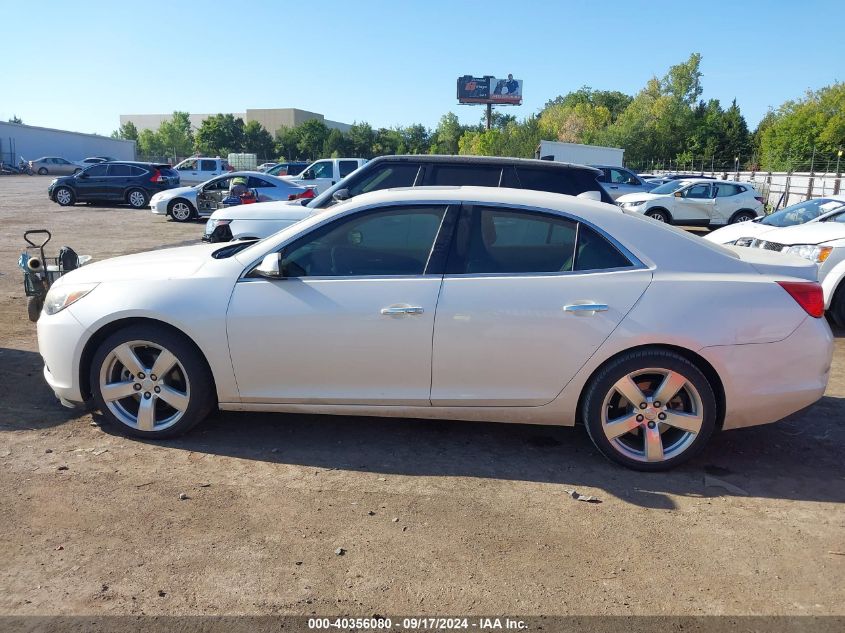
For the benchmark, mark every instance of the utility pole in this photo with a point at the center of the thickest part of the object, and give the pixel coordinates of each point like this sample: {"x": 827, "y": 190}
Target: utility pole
{"x": 489, "y": 116}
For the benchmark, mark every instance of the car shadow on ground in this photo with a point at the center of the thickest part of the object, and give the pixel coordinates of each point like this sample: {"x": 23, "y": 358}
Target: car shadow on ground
{"x": 798, "y": 458}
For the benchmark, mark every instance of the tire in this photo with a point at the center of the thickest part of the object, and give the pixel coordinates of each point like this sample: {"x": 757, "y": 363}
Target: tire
{"x": 64, "y": 196}
{"x": 743, "y": 215}
{"x": 33, "y": 308}
{"x": 643, "y": 441}
{"x": 837, "y": 306}
{"x": 137, "y": 198}
{"x": 42, "y": 171}
{"x": 180, "y": 210}
{"x": 661, "y": 215}
{"x": 126, "y": 394}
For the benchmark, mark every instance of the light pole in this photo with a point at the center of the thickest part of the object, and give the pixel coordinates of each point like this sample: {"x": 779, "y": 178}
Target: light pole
{"x": 736, "y": 168}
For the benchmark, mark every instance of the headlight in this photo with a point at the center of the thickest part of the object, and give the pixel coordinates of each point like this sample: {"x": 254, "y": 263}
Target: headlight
{"x": 631, "y": 205}
{"x": 213, "y": 224}
{"x": 743, "y": 241}
{"x": 814, "y": 253}
{"x": 61, "y": 296}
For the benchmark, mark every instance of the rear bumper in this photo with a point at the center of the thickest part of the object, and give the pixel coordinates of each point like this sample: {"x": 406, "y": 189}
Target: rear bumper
{"x": 765, "y": 382}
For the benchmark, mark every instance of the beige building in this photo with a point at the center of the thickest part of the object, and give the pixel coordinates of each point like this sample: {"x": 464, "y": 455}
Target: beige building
{"x": 271, "y": 118}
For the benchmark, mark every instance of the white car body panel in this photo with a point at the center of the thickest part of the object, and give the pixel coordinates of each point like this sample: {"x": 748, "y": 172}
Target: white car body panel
{"x": 323, "y": 345}
{"x": 732, "y": 232}
{"x": 258, "y": 220}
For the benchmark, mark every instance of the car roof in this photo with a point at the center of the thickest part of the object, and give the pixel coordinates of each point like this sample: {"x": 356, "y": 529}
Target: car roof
{"x": 483, "y": 160}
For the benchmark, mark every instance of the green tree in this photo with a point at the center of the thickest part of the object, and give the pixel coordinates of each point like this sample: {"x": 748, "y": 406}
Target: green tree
{"x": 446, "y": 135}
{"x": 335, "y": 145}
{"x": 15, "y": 119}
{"x": 312, "y": 136}
{"x": 175, "y": 135}
{"x": 126, "y": 131}
{"x": 360, "y": 139}
{"x": 150, "y": 145}
{"x": 614, "y": 101}
{"x": 417, "y": 139}
{"x": 258, "y": 141}
{"x": 220, "y": 134}
{"x": 287, "y": 143}
{"x": 814, "y": 124}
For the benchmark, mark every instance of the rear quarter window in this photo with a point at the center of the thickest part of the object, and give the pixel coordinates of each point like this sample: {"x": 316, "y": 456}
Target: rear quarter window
{"x": 466, "y": 175}
{"x": 551, "y": 180}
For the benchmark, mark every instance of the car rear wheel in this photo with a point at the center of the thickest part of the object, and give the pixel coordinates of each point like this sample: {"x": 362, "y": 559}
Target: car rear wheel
{"x": 180, "y": 210}
{"x": 42, "y": 171}
{"x": 743, "y": 216}
{"x": 151, "y": 382}
{"x": 649, "y": 410}
{"x": 64, "y": 196}
{"x": 661, "y": 215}
{"x": 837, "y": 306}
{"x": 137, "y": 198}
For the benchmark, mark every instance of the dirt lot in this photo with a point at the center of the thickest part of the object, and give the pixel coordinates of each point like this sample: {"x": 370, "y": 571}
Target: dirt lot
{"x": 434, "y": 518}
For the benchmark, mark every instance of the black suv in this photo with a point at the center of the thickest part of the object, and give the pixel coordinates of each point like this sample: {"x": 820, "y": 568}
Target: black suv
{"x": 389, "y": 172}
{"x": 120, "y": 181}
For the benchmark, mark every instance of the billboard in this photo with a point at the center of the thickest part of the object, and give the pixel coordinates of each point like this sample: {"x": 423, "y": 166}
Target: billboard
{"x": 489, "y": 89}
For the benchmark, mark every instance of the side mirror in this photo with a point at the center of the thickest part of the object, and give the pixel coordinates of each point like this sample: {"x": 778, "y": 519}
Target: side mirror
{"x": 270, "y": 267}
{"x": 679, "y": 194}
{"x": 341, "y": 194}
{"x": 308, "y": 175}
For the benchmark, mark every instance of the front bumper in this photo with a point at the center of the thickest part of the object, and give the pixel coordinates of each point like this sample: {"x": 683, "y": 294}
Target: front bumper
{"x": 159, "y": 207}
{"x": 60, "y": 341}
{"x": 765, "y": 382}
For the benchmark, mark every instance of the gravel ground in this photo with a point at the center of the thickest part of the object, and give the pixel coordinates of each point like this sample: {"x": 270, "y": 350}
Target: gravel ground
{"x": 432, "y": 517}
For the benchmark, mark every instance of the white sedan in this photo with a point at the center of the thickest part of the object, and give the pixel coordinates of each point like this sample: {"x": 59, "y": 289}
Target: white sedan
{"x": 697, "y": 202}
{"x": 455, "y": 303}
{"x": 188, "y": 203}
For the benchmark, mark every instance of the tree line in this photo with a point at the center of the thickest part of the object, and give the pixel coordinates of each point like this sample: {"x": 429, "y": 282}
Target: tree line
{"x": 665, "y": 123}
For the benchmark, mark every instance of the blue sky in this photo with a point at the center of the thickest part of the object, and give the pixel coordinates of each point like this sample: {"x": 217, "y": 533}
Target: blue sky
{"x": 80, "y": 65}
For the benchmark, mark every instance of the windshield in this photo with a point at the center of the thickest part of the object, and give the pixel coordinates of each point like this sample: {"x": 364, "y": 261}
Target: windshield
{"x": 670, "y": 187}
{"x": 802, "y": 212}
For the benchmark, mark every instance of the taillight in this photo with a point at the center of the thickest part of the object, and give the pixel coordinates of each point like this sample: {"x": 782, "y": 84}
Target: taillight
{"x": 156, "y": 177}
{"x": 308, "y": 193}
{"x": 808, "y": 294}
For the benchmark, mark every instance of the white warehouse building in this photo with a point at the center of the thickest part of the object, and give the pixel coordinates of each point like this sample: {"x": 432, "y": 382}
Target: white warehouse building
{"x": 31, "y": 142}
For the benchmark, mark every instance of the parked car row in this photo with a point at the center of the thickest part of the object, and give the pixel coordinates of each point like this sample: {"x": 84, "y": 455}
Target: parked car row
{"x": 133, "y": 183}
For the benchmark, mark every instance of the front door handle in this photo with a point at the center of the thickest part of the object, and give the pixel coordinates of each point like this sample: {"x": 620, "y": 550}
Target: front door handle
{"x": 585, "y": 308}
{"x": 394, "y": 310}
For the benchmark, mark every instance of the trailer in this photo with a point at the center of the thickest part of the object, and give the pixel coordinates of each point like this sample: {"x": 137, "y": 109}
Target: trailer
{"x": 580, "y": 154}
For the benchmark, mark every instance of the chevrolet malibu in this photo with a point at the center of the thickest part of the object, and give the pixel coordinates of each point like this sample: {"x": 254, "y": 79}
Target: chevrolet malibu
{"x": 450, "y": 303}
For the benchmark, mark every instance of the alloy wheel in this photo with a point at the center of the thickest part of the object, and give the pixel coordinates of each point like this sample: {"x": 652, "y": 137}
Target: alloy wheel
{"x": 137, "y": 199}
{"x": 181, "y": 211}
{"x": 144, "y": 386}
{"x": 64, "y": 196}
{"x": 652, "y": 415}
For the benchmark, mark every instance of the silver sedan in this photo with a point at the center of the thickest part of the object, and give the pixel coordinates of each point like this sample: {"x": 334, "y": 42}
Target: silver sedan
{"x": 54, "y": 166}
{"x": 188, "y": 203}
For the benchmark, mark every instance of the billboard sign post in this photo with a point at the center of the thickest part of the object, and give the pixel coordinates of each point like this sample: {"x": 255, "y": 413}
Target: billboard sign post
{"x": 489, "y": 90}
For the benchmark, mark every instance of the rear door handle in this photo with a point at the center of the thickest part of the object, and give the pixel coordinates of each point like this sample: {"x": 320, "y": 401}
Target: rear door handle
{"x": 394, "y": 310}
{"x": 585, "y": 308}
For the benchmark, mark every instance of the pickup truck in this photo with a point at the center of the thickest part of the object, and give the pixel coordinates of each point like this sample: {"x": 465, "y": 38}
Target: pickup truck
{"x": 198, "y": 169}
{"x": 323, "y": 174}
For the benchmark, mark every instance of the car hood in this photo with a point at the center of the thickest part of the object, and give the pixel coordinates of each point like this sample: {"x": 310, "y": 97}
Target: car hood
{"x": 637, "y": 197}
{"x": 809, "y": 233}
{"x": 176, "y": 191}
{"x": 733, "y": 232}
{"x": 774, "y": 263}
{"x": 164, "y": 264}
{"x": 279, "y": 210}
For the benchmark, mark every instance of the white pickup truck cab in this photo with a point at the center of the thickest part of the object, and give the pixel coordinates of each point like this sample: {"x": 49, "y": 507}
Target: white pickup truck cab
{"x": 323, "y": 174}
{"x": 197, "y": 169}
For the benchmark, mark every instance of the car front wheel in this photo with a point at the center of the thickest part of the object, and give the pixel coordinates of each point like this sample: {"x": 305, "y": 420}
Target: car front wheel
{"x": 181, "y": 210}
{"x": 151, "y": 382}
{"x": 64, "y": 196}
{"x": 649, "y": 410}
{"x": 658, "y": 214}
{"x": 42, "y": 171}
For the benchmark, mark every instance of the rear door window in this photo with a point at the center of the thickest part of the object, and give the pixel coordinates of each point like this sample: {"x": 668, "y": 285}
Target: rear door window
{"x": 552, "y": 180}
{"x": 134, "y": 170}
{"x": 347, "y": 167}
{"x": 208, "y": 165}
{"x": 466, "y": 175}
{"x": 119, "y": 171}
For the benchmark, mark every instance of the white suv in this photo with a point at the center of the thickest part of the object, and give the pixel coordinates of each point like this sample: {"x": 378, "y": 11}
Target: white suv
{"x": 697, "y": 202}
{"x": 197, "y": 169}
